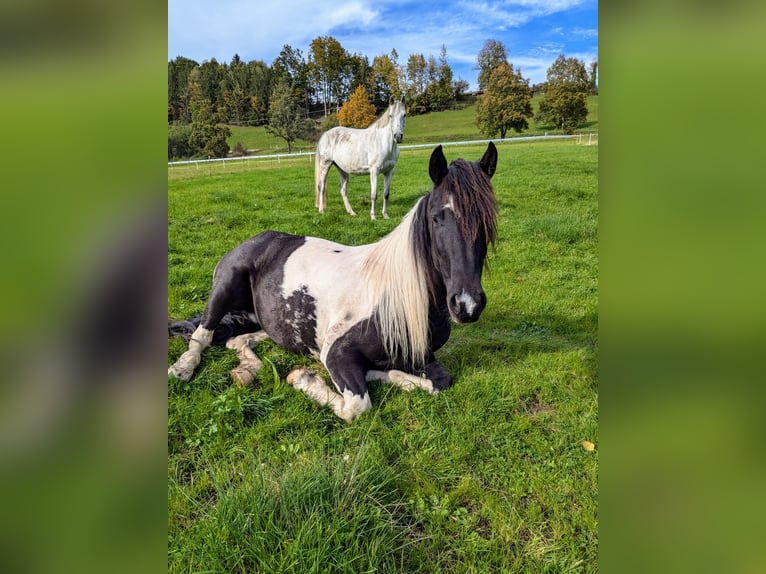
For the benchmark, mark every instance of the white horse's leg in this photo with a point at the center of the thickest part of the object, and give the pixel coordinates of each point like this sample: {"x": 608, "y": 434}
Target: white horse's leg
{"x": 320, "y": 196}
{"x": 249, "y": 363}
{"x": 386, "y": 189}
{"x": 184, "y": 367}
{"x": 343, "y": 186}
{"x": 373, "y": 191}
{"x": 403, "y": 380}
{"x": 347, "y": 406}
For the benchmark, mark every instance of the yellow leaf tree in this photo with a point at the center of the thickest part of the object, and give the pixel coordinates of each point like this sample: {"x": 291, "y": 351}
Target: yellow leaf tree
{"x": 358, "y": 111}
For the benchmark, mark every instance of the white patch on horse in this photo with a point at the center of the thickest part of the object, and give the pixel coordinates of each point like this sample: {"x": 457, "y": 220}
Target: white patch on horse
{"x": 468, "y": 302}
{"x": 331, "y": 275}
{"x": 450, "y": 204}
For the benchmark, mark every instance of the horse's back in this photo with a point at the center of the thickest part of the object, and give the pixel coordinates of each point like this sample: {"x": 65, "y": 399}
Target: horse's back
{"x": 357, "y": 150}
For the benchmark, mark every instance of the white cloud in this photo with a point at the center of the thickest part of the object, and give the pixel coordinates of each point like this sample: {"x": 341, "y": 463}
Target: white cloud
{"x": 203, "y": 29}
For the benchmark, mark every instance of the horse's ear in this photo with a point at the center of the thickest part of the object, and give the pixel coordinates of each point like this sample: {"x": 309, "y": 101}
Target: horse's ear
{"x": 437, "y": 168}
{"x": 488, "y": 162}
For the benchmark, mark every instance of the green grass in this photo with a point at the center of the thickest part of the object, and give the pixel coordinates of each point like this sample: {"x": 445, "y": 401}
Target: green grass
{"x": 489, "y": 476}
{"x": 435, "y": 127}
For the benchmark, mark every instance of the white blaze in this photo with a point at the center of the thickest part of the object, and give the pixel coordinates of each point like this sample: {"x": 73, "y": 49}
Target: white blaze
{"x": 467, "y": 301}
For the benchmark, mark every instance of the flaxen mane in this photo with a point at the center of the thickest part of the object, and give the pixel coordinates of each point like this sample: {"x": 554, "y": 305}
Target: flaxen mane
{"x": 394, "y": 276}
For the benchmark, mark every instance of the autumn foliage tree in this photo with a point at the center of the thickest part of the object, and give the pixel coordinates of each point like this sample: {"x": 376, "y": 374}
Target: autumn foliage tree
{"x": 358, "y": 111}
{"x": 506, "y": 102}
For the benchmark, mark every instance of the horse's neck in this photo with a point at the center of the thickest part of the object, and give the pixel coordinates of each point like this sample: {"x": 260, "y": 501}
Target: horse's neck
{"x": 386, "y": 135}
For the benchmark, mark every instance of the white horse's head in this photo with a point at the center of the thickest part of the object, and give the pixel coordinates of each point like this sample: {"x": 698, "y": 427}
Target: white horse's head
{"x": 396, "y": 117}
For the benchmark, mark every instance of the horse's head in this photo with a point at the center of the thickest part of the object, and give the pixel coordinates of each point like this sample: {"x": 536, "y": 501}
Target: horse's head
{"x": 396, "y": 117}
{"x": 461, "y": 215}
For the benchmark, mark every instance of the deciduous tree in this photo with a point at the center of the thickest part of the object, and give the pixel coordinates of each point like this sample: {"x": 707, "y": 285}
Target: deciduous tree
{"x": 491, "y": 55}
{"x": 286, "y": 116}
{"x": 358, "y": 111}
{"x": 327, "y": 62}
{"x": 506, "y": 102}
{"x": 565, "y": 102}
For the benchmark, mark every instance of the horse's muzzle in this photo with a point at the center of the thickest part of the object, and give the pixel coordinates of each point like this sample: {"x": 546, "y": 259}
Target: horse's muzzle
{"x": 465, "y": 308}
{"x": 399, "y": 138}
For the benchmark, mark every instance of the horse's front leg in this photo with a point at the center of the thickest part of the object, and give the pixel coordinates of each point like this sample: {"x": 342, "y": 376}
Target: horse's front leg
{"x": 374, "y": 192}
{"x": 347, "y": 371}
{"x": 347, "y": 404}
{"x": 404, "y": 381}
{"x": 440, "y": 379}
{"x": 386, "y": 190}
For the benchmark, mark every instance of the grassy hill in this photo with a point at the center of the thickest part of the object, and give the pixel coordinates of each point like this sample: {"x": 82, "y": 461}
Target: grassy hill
{"x": 434, "y": 127}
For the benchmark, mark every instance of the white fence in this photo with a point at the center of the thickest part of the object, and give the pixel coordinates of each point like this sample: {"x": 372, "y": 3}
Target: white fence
{"x": 278, "y": 157}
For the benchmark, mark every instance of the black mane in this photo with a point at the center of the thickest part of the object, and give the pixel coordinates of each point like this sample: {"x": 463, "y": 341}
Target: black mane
{"x": 475, "y": 206}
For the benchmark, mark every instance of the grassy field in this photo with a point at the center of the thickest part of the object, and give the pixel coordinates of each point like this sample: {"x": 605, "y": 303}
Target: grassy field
{"x": 489, "y": 476}
{"x": 436, "y": 127}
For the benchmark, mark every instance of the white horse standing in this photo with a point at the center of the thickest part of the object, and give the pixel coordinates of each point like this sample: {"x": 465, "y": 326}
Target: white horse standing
{"x": 372, "y": 150}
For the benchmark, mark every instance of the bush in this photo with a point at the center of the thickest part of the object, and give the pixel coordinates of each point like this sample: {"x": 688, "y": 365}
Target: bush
{"x": 328, "y": 122}
{"x": 178, "y": 142}
{"x": 239, "y": 150}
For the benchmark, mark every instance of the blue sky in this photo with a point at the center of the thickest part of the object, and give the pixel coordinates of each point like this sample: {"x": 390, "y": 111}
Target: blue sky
{"x": 534, "y": 32}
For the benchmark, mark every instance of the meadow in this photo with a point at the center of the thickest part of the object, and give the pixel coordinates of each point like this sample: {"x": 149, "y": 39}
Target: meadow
{"x": 492, "y": 475}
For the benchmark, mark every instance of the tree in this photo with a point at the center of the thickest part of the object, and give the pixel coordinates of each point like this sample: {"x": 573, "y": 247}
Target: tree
{"x": 179, "y": 70}
{"x": 208, "y": 135}
{"x": 259, "y": 91}
{"x": 286, "y": 119}
{"x": 441, "y": 88}
{"x": 492, "y": 54}
{"x": 385, "y": 83}
{"x": 565, "y": 102}
{"x": 417, "y": 77}
{"x": 506, "y": 102}
{"x": 459, "y": 87}
{"x": 357, "y": 112}
{"x": 291, "y": 65}
{"x": 327, "y": 63}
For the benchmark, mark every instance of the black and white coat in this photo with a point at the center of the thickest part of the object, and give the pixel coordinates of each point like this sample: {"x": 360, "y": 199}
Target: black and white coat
{"x": 376, "y": 311}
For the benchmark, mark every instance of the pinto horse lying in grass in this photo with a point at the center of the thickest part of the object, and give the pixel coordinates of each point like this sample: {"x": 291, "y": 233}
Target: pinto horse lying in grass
{"x": 369, "y": 312}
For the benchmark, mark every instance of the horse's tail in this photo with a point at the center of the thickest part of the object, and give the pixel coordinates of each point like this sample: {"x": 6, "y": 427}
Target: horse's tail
{"x": 233, "y": 324}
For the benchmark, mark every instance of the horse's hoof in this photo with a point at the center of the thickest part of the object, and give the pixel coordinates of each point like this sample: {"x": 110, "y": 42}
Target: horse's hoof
{"x": 292, "y": 377}
{"x": 181, "y": 373}
{"x": 242, "y": 376}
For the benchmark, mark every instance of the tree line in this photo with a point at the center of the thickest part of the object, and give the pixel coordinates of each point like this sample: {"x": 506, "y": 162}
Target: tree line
{"x": 299, "y": 96}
